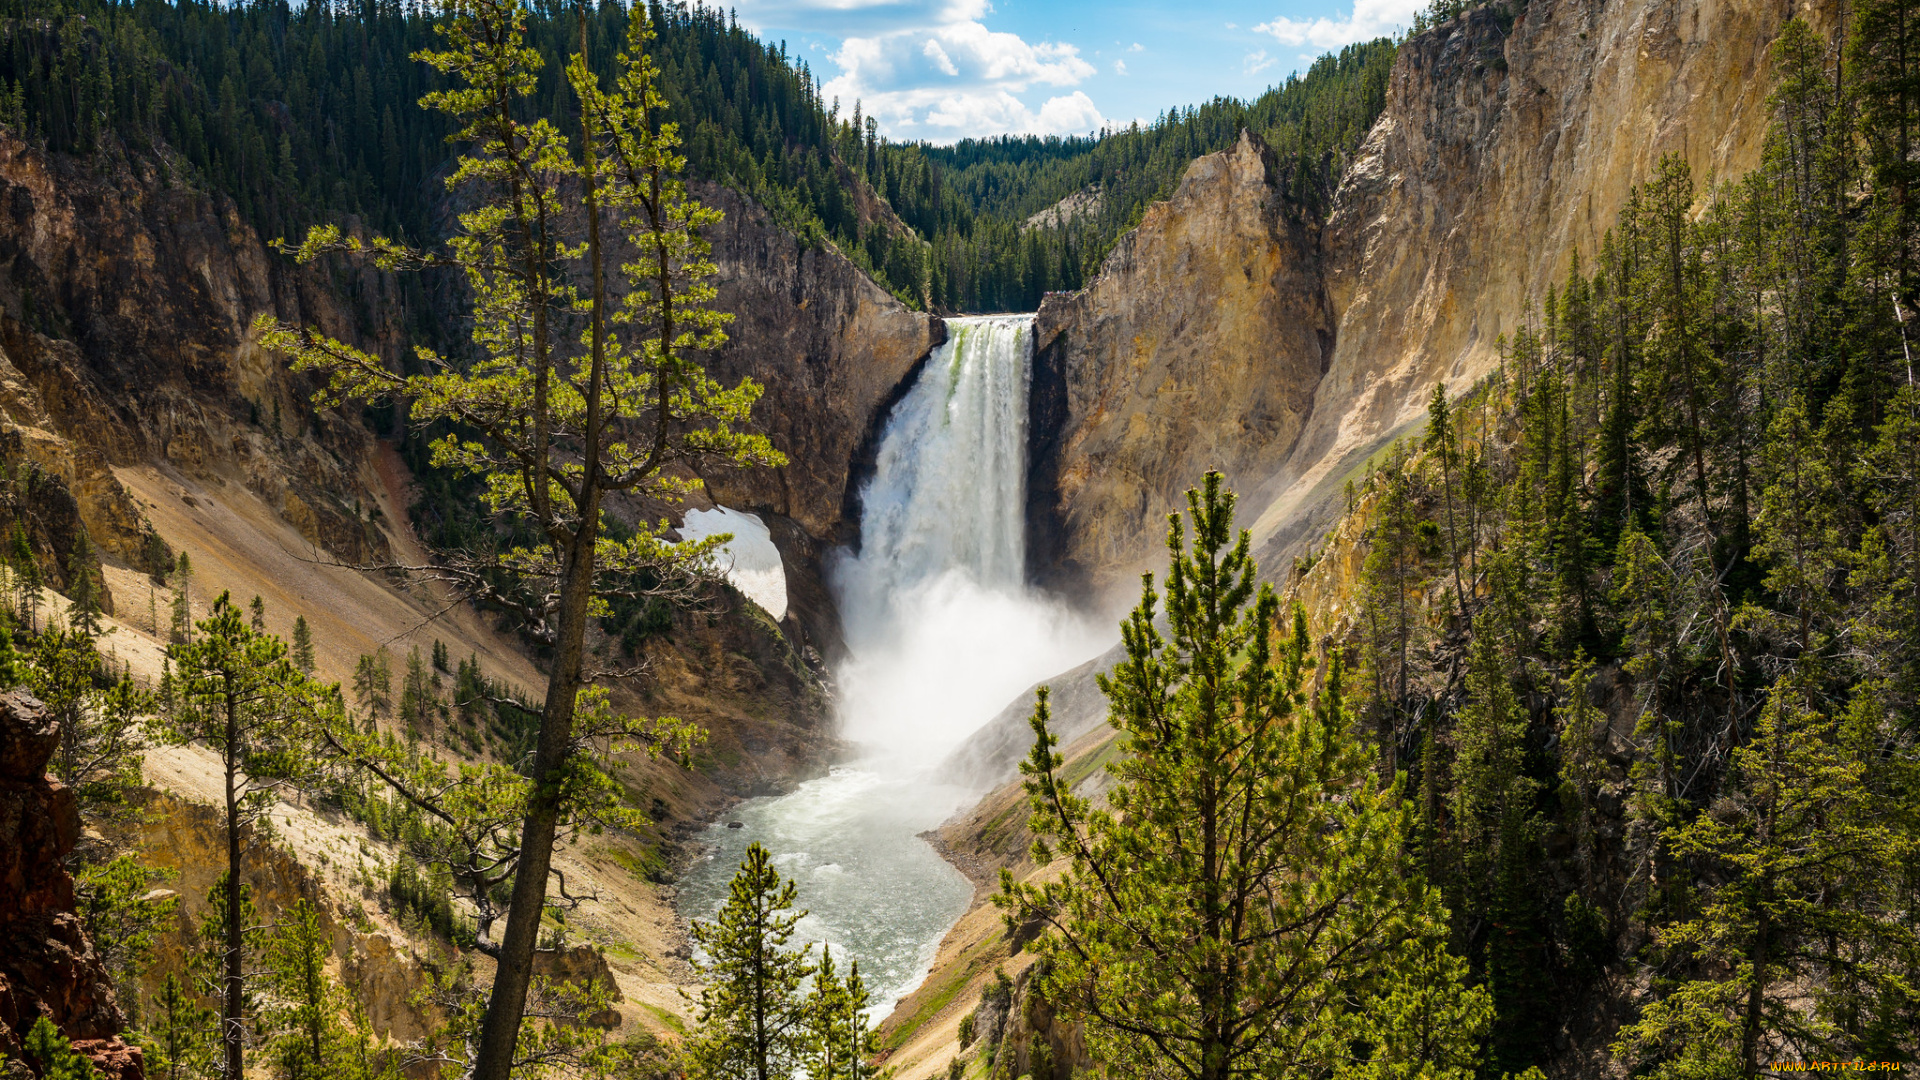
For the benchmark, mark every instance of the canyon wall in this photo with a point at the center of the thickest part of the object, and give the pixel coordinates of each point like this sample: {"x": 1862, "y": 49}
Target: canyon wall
{"x": 1197, "y": 347}
{"x": 1499, "y": 154}
{"x": 125, "y": 300}
{"x": 834, "y": 352}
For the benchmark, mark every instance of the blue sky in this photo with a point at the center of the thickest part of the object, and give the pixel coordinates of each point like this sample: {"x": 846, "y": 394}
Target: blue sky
{"x": 947, "y": 69}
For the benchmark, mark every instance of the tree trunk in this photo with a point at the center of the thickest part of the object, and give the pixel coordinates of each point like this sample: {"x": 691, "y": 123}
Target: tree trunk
{"x": 500, "y": 1033}
{"x": 506, "y": 1005}
{"x": 231, "y": 1020}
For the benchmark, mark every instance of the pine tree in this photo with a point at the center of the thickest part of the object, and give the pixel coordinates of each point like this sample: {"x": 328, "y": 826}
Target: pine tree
{"x": 837, "y": 1042}
{"x": 1181, "y": 933}
{"x": 625, "y": 390}
{"x": 125, "y": 915}
{"x": 1489, "y": 736}
{"x": 373, "y": 685}
{"x": 1583, "y": 734}
{"x": 102, "y": 732}
{"x": 1620, "y": 492}
{"x": 302, "y": 645}
{"x": 307, "y": 1004}
{"x": 824, "y": 1052}
{"x": 1804, "y": 836}
{"x": 1423, "y": 1024}
{"x": 418, "y": 702}
{"x": 752, "y": 1017}
{"x": 238, "y": 696}
{"x": 58, "y": 1059}
{"x": 1442, "y": 442}
{"x": 185, "y": 1035}
{"x": 1387, "y": 577}
{"x": 83, "y": 586}
{"x": 181, "y": 630}
{"x": 25, "y": 571}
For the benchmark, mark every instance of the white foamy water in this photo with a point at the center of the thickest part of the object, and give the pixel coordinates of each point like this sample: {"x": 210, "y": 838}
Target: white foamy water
{"x": 942, "y": 632}
{"x": 940, "y": 624}
{"x": 750, "y": 560}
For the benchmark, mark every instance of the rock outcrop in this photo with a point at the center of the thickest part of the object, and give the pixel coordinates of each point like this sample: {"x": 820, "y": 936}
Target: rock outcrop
{"x": 1198, "y": 347}
{"x": 188, "y": 839}
{"x": 125, "y": 306}
{"x": 1499, "y": 154}
{"x": 48, "y": 966}
{"x": 834, "y": 351}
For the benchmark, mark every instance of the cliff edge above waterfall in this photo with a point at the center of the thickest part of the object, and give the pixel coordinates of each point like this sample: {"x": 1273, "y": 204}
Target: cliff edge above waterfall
{"x": 1198, "y": 347}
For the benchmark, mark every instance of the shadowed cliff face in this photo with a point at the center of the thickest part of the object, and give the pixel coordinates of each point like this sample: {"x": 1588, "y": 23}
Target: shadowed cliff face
{"x": 48, "y": 966}
{"x": 124, "y": 306}
{"x": 1498, "y": 156}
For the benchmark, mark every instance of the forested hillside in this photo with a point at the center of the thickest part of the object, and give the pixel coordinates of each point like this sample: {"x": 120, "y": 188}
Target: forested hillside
{"x": 305, "y": 113}
{"x": 1639, "y": 616}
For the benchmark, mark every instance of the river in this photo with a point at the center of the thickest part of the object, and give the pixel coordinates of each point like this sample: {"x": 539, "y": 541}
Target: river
{"x": 941, "y": 633}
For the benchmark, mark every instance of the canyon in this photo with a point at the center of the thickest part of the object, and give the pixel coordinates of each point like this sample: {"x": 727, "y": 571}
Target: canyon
{"x": 1231, "y": 329}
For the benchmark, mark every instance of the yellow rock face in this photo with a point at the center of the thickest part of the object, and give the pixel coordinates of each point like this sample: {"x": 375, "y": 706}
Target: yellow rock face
{"x": 1223, "y": 334}
{"x": 1197, "y": 347}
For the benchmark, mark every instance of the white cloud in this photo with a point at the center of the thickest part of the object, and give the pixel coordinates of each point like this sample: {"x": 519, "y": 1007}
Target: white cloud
{"x": 1370, "y": 19}
{"x": 1233, "y": 26}
{"x": 1136, "y": 47}
{"x": 1257, "y": 62}
{"x": 958, "y": 79}
{"x": 1119, "y": 67}
{"x": 939, "y": 57}
{"x": 855, "y": 18}
{"x": 930, "y": 69}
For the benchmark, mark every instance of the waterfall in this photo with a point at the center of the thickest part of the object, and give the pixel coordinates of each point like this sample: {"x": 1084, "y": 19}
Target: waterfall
{"x": 940, "y": 626}
{"x": 941, "y": 632}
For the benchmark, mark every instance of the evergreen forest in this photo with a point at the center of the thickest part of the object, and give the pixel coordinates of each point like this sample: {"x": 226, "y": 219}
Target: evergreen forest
{"x": 1639, "y": 614}
{"x": 305, "y": 113}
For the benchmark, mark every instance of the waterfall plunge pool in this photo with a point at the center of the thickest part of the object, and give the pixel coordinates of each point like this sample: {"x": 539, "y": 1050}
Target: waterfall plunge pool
{"x": 874, "y": 891}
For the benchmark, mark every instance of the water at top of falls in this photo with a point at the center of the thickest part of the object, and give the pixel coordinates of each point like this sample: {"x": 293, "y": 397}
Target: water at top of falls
{"x": 941, "y": 628}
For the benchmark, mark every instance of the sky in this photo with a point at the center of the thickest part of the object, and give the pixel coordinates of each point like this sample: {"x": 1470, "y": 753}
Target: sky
{"x": 942, "y": 70}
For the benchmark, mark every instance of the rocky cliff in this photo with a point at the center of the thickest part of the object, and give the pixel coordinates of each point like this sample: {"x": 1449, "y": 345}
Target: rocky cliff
{"x": 48, "y": 966}
{"x": 126, "y": 297}
{"x": 125, "y": 300}
{"x": 1198, "y": 347}
{"x": 1500, "y": 153}
{"x": 834, "y": 352}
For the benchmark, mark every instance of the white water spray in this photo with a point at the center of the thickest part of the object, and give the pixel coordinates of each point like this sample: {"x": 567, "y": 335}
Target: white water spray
{"x": 941, "y": 627}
